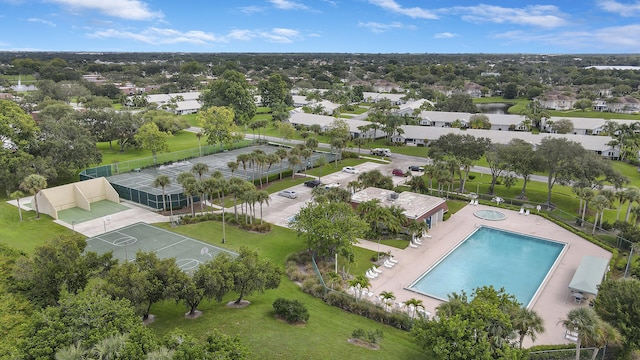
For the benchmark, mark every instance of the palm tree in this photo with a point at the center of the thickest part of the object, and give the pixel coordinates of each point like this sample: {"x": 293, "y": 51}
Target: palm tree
{"x": 71, "y": 352}
{"x": 320, "y": 163}
{"x": 182, "y": 179}
{"x": 582, "y": 321}
{"x": 17, "y": 195}
{"x": 605, "y": 334}
{"x": 282, "y": 154}
{"x": 294, "y": 160}
{"x": 588, "y": 195}
{"x": 387, "y": 298}
{"x": 199, "y": 135}
{"x": 199, "y": 168}
{"x": 359, "y": 282}
{"x": 33, "y": 184}
{"x": 191, "y": 187}
{"x": 527, "y": 323}
{"x": 244, "y": 159}
{"x": 311, "y": 143}
{"x": 414, "y": 304}
{"x": 452, "y": 306}
{"x": 600, "y": 202}
{"x": 162, "y": 181}
{"x": 632, "y": 194}
{"x": 263, "y": 198}
{"x": 233, "y": 166}
{"x": 306, "y": 154}
{"x": 110, "y": 347}
{"x": 271, "y": 160}
{"x": 333, "y": 279}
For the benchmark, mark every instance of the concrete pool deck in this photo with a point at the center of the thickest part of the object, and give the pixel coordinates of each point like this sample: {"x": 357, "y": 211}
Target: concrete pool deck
{"x": 552, "y": 302}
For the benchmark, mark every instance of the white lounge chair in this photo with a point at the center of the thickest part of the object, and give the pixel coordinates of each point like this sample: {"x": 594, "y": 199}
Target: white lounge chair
{"x": 521, "y": 211}
{"x": 417, "y": 241}
{"x": 476, "y": 202}
{"x": 372, "y": 274}
{"x": 376, "y": 269}
{"x": 388, "y": 265}
{"x": 369, "y": 276}
{"x": 526, "y": 212}
{"x": 427, "y": 236}
{"x": 413, "y": 245}
{"x": 392, "y": 260}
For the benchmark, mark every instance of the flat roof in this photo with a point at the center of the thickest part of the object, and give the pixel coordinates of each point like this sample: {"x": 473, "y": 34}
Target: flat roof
{"x": 414, "y": 204}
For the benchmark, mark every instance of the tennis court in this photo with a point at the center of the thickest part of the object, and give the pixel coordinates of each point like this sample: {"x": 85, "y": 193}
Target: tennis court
{"x": 126, "y": 241}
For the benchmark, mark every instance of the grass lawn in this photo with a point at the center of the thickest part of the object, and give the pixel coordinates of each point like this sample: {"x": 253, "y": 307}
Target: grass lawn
{"x": 323, "y": 337}
{"x": 30, "y": 233}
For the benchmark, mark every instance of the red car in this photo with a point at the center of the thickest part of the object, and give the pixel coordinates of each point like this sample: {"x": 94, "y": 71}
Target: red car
{"x": 397, "y": 172}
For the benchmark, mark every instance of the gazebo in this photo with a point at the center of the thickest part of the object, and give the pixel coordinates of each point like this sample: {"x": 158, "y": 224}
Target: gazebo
{"x": 588, "y": 277}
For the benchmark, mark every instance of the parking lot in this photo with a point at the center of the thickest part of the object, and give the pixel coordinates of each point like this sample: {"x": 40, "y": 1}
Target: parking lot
{"x": 282, "y": 209}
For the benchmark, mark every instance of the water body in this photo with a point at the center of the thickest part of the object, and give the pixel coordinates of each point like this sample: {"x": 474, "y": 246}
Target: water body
{"x": 493, "y": 108}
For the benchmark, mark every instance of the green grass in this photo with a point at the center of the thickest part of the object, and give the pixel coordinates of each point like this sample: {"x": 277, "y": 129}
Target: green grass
{"x": 182, "y": 140}
{"x": 323, "y": 337}
{"x": 192, "y": 119}
{"x": 28, "y": 234}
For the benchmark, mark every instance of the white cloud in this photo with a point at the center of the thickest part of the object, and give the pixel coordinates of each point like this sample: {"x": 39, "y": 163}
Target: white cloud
{"x": 414, "y": 12}
{"x": 159, "y": 36}
{"x": 380, "y": 27}
{"x": 280, "y": 35}
{"x": 621, "y": 9}
{"x": 544, "y": 16}
{"x": 171, "y": 36}
{"x": 617, "y": 38}
{"x": 125, "y": 9}
{"x": 445, "y": 35}
{"x": 251, "y": 9}
{"x": 288, "y": 5}
{"x": 46, "y": 22}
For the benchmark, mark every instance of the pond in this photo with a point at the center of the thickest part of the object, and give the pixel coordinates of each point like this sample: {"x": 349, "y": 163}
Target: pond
{"x": 493, "y": 108}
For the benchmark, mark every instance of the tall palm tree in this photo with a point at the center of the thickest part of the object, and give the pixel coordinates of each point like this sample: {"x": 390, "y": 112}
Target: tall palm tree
{"x": 582, "y": 321}
{"x": 271, "y": 160}
{"x": 236, "y": 188}
{"x": 233, "y": 166}
{"x": 33, "y": 184}
{"x": 359, "y": 282}
{"x": 605, "y": 334}
{"x": 199, "y": 135}
{"x": 282, "y": 154}
{"x": 320, "y": 163}
{"x": 294, "y": 160}
{"x": 263, "y": 198}
{"x": 244, "y": 159}
{"x": 632, "y": 194}
{"x": 162, "y": 181}
{"x": 600, "y": 202}
{"x": 183, "y": 178}
{"x": 199, "y": 169}
{"x": 17, "y": 195}
{"x": 587, "y": 195}
{"x": 527, "y": 322}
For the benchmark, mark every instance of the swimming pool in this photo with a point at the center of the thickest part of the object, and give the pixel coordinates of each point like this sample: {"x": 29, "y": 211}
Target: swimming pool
{"x": 488, "y": 256}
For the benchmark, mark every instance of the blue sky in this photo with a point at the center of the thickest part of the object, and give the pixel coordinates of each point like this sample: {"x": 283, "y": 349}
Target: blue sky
{"x": 346, "y": 26}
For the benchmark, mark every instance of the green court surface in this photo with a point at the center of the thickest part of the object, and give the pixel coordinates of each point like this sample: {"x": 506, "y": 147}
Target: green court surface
{"x": 99, "y": 209}
{"x": 126, "y": 241}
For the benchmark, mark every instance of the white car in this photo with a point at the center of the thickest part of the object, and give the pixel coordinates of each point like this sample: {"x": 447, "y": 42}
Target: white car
{"x": 332, "y": 185}
{"x": 350, "y": 170}
{"x": 288, "y": 194}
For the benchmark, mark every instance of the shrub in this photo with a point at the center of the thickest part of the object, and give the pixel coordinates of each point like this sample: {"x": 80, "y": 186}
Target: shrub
{"x": 371, "y": 336}
{"x": 293, "y": 311}
{"x": 350, "y": 155}
{"x": 471, "y": 177}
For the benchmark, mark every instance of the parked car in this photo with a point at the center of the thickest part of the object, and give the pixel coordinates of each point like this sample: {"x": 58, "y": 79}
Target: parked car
{"x": 381, "y": 152}
{"x": 288, "y": 194}
{"x": 332, "y": 185}
{"x": 398, "y": 172}
{"x": 416, "y": 168}
{"x": 312, "y": 183}
{"x": 350, "y": 170}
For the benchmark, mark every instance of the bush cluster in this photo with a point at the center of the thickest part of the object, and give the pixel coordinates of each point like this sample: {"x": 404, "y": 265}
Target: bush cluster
{"x": 256, "y": 226}
{"x": 292, "y": 311}
{"x": 371, "y": 336}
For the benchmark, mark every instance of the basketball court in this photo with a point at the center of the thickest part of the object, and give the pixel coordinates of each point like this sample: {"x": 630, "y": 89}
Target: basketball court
{"x": 126, "y": 241}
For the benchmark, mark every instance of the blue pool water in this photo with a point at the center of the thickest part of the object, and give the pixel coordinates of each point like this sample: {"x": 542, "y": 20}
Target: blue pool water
{"x": 515, "y": 262}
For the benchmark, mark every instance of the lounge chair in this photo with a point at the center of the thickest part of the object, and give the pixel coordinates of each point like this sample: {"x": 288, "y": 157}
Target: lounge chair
{"x": 392, "y": 260}
{"x": 417, "y": 241}
{"x": 413, "y": 245}
{"x": 521, "y": 211}
{"x": 475, "y": 203}
{"x": 375, "y": 269}
{"x": 526, "y": 212}
{"x": 388, "y": 265}
{"x": 426, "y": 236}
{"x": 372, "y": 274}
{"x": 570, "y": 335}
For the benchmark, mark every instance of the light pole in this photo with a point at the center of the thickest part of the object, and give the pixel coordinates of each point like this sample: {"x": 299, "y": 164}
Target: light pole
{"x": 105, "y": 221}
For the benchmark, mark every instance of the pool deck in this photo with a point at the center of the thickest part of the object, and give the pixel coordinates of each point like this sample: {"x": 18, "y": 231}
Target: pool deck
{"x": 552, "y": 302}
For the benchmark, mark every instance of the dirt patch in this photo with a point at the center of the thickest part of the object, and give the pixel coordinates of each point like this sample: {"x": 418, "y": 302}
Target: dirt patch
{"x": 243, "y": 304}
{"x": 196, "y": 314}
{"x": 364, "y": 344}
